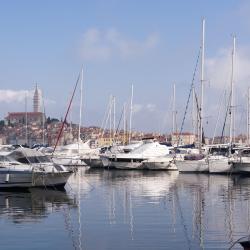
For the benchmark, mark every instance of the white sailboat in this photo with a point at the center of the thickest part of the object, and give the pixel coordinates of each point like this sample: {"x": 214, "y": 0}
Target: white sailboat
{"x": 197, "y": 162}
{"x": 224, "y": 163}
{"x": 72, "y": 155}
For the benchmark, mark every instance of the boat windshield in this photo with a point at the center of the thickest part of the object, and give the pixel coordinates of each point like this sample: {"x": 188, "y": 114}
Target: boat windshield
{"x": 245, "y": 152}
{"x": 43, "y": 158}
{"x": 219, "y": 151}
{"x": 4, "y": 158}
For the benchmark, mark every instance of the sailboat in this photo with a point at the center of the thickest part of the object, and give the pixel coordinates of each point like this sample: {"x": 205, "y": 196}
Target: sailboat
{"x": 224, "y": 163}
{"x": 72, "y": 154}
{"x": 196, "y": 162}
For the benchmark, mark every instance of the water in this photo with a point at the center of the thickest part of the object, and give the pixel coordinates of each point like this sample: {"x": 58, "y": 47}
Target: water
{"x": 103, "y": 209}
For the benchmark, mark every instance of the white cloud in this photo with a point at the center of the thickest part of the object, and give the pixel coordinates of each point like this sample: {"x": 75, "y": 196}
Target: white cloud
{"x": 144, "y": 107}
{"x": 102, "y": 45}
{"x": 8, "y": 96}
{"x": 137, "y": 108}
{"x": 18, "y": 96}
{"x": 151, "y": 107}
{"x": 218, "y": 69}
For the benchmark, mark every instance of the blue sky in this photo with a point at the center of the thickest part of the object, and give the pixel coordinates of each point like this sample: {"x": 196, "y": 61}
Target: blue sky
{"x": 151, "y": 44}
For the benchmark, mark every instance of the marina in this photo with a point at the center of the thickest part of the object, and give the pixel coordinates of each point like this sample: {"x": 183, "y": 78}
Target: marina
{"x": 125, "y": 125}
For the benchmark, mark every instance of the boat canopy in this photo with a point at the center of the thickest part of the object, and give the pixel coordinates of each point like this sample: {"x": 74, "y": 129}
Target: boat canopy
{"x": 27, "y": 155}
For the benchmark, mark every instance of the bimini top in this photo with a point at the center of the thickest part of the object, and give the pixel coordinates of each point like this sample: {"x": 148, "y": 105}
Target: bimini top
{"x": 27, "y": 155}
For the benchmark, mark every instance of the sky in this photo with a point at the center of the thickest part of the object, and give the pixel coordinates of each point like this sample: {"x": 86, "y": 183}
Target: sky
{"x": 150, "y": 44}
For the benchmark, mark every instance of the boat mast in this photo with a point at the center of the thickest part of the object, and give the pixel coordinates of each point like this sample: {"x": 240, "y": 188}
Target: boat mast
{"x": 174, "y": 112}
{"x": 124, "y": 123}
{"x": 248, "y": 116}
{"x": 193, "y": 111}
{"x": 114, "y": 128}
{"x": 26, "y": 121}
{"x": 231, "y": 131}
{"x": 80, "y": 113}
{"x": 43, "y": 121}
{"x": 202, "y": 80}
{"x": 131, "y": 112}
{"x": 110, "y": 119}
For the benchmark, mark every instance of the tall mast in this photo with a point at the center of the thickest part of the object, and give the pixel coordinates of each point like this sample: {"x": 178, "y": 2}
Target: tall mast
{"x": 174, "y": 112}
{"x": 43, "y": 113}
{"x": 202, "y": 79}
{"x": 193, "y": 112}
{"x": 26, "y": 121}
{"x": 124, "y": 123}
{"x": 131, "y": 112}
{"x": 110, "y": 119}
{"x": 114, "y": 129}
{"x": 232, "y": 95}
{"x": 80, "y": 112}
{"x": 248, "y": 116}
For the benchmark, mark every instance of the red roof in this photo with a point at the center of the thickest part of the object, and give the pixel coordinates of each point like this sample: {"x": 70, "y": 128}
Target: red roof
{"x": 11, "y": 114}
{"x": 183, "y": 133}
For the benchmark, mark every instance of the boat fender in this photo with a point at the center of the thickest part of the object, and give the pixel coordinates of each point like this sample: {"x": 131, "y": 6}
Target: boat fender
{"x": 7, "y": 177}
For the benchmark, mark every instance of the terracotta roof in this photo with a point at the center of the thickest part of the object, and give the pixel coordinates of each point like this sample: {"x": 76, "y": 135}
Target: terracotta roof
{"x": 16, "y": 114}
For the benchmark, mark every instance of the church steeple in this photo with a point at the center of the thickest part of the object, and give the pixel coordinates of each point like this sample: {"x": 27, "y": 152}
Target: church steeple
{"x": 36, "y": 100}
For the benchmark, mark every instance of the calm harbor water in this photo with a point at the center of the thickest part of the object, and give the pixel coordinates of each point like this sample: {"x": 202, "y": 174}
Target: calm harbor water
{"x": 114, "y": 209}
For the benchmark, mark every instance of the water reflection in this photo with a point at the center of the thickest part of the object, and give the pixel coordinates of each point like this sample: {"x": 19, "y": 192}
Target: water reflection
{"x": 202, "y": 211}
{"x": 136, "y": 210}
{"x": 32, "y": 205}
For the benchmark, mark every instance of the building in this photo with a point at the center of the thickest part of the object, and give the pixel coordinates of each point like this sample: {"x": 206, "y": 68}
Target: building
{"x": 20, "y": 118}
{"x": 37, "y": 100}
{"x": 184, "y": 138}
{"x": 35, "y": 117}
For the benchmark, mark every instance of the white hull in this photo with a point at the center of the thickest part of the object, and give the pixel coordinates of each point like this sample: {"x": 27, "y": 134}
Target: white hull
{"x": 192, "y": 166}
{"x": 94, "y": 162}
{"x": 16, "y": 179}
{"x": 68, "y": 161}
{"x": 125, "y": 165}
{"x": 220, "y": 166}
{"x": 159, "y": 164}
{"x": 242, "y": 166}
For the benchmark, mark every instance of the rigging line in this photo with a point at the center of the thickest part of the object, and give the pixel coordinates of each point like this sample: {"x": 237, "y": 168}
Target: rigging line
{"x": 189, "y": 95}
{"x": 218, "y": 117}
{"x": 182, "y": 218}
{"x": 122, "y": 113}
{"x": 225, "y": 120}
{"x": 65, "y": 118}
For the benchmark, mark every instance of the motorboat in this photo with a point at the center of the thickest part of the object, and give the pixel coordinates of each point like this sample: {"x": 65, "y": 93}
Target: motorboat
{"x": 72, "y": 155}
{"x": 135, "y": 158}
{"x": 95, "y": 159}
{"x": 25, "y": 168}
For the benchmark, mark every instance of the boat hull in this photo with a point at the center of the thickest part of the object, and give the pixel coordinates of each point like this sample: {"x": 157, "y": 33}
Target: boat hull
{"x": 159, "y": 165}
{"x": 33, "y": 179}
{"x": 94, "y": 162}
{"x": 242, "y": 166}
{"x": 220, "y": 166}
{"x": 192, "y": 166}
{"x": 69, "y": 162}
